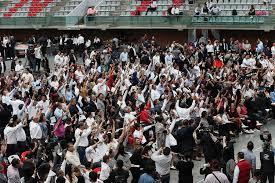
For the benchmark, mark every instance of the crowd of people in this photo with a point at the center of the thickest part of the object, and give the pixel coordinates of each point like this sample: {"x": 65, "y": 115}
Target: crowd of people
{"x": 118, "y": 111}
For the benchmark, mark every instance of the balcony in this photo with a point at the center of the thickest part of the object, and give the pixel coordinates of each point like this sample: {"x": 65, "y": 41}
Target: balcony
{"x": 141, "y": 22}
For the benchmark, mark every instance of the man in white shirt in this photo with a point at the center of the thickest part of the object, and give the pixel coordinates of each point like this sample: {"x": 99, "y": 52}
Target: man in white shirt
{"x": 43, "y": 104}
{"x": 19, "y": 67}
{"x": 248, "y": 62}
{"x": 13, "y": 172}
{"x": 15, "y": 104}
{"x": 163, "y": 163}
{"x": 38, "y": 57}
{"x": 216, "y": 176}
{"x": 58, "y": 59}
{"x": 35, "y": 129}
{"x": 168, "y": 59}
{"x": 105, "y": 169}
{"x": 80, "y": 43}
{"x": 82, "y": 133}
{"x": 27, "y": 77}
{"x": 210, "y": 48}
{"x": 124, "y": 57}
{"x": 10, "y": 137}
{"x": 153, "y": 7}
{"x": 72, "y": 155}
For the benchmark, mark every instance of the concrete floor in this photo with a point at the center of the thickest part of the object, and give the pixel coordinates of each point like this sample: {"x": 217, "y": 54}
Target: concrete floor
{"x": 240, "y": 144}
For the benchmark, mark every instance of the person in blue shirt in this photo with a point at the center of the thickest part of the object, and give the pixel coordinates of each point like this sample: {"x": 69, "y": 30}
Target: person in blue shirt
{"x": 147, "y": 176}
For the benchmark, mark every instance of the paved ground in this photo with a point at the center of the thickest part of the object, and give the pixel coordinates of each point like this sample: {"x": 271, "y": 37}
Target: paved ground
{"x": 241, "y": 142}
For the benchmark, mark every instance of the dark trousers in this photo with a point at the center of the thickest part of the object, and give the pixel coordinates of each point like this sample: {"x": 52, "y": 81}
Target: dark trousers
{"x": 270, "y": 178}
{"x": 21, "y": 146}
{"x": 165, "y": 178}
{"x": 135, "y": 173}
{"x": 81, "y": 152}
{"x": 11, "y": 149}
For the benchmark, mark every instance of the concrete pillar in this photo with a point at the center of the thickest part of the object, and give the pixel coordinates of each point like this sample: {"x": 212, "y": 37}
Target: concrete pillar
{"x": 192, "y": 35}
{"x": 204, "y": 32}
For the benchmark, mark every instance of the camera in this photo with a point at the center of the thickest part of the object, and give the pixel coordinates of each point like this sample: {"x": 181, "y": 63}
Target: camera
{"x": 265, "y": 136}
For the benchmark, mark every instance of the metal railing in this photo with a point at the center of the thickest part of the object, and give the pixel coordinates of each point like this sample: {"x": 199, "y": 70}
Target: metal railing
{"x": 138, "y": 21}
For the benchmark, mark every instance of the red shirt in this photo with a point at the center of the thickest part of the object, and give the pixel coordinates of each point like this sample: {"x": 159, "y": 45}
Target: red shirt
{"x": 218, "y": 63}
{"x": 144, "y": 117}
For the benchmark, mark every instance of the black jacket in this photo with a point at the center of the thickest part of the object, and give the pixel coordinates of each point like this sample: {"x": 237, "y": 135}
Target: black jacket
{"x": 267, "y": 162}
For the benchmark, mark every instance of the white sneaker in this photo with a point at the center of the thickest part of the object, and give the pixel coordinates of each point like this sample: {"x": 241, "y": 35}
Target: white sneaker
{"x": 247, "y": 131}
{"x": 252, "y": 131}
{"x": 257, "y": 130}
{"x": 244, "y": 126}
{"x": 259, "y": 124}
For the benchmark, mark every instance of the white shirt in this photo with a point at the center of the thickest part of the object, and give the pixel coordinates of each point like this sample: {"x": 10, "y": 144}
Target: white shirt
{"x": 83, "y": 139}
{"x": 236, "y": 174}
{"x": 248, "y": 62}
{"x": 19, "y": 68}
{"x": 177, "y": 11}
{"x": 163, "y": 163}
{"x": 168, "y": 59}
{"x": 264, "y": 63}
{"x": 210, "y": 48}
{"x": 15, "y": 105}
{"x": 210, "y": 178}
{"x": 13, "y": 175}
{"x": 105, "y": 171}
{"x": 58, "y": 60}
{"x": 35, "y": 130}
{"x": 96, "y": 155}
{"x": 37, "y": 52}
{"x": 10, "y": 133}
{"x": 88, "y": 43}
{"x": 2, "y": 66}
{"x": 124, "y": 57}
{"x": 80, "y": 40}
{"x": 43, "y": 105}
{"x": 20, "y": 134}
{"x": 184, "y": 113}
{"x": 273, "y": 50}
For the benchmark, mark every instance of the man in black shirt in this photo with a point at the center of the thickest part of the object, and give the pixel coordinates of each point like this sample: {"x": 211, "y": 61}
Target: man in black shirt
{"x": 119, "y": 175}
{"x": 267, "y": 163}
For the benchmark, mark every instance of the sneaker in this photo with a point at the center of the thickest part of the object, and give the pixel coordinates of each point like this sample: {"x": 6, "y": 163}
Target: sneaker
{"x": 244, "y": 126}
{"x": 259, "y": 124}
{"x": 252, "y": 131}
{"x": 231, "y": 133}
{"x": 257, "y": 130}
{"x": 248, "y": 131}
{"x": 173, "y": 167}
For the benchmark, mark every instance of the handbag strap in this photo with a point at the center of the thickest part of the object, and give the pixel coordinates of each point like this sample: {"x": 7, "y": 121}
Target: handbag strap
{"x": 216, "y": 177}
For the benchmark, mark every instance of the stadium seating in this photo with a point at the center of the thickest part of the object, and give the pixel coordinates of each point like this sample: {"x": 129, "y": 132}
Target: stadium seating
{"x": 27, "y": 8}
{"x": 36, "y": 8}
{"x": 162, "y": 7}
{"x": 69, "y": 6}
{"x": 108, "y": 6}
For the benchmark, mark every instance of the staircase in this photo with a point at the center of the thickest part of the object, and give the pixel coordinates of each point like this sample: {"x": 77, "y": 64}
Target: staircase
{"x": 56, "y": 8}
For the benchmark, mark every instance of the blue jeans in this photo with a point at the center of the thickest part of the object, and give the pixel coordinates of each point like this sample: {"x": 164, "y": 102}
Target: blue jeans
{"x": 81, "y": 152}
